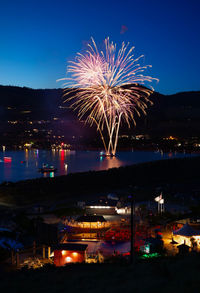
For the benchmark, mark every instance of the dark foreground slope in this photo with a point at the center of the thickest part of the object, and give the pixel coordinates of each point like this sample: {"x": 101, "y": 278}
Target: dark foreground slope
{"x": 78, "y": 185}
{"x": 162, "y": 275}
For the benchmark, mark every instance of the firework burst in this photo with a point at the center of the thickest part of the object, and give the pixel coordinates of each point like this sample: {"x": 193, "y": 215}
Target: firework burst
{"x": 107, "y": 87}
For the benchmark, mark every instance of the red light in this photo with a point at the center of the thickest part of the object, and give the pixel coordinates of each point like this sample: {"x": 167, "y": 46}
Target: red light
{"x": 7, "y": 159}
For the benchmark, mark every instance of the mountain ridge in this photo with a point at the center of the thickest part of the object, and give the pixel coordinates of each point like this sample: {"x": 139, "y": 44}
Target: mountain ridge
{"x": 176, "y": 114}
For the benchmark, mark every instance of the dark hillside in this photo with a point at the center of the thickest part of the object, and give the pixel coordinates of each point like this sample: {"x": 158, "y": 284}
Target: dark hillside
{"x": 177, "y": 114}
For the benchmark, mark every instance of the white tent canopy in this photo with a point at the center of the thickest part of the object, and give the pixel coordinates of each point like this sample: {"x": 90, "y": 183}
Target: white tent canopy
{"x": 187, "y": 231}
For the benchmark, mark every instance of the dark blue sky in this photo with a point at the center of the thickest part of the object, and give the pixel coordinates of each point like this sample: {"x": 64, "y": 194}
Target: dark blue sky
{"x": 38, "y": 37}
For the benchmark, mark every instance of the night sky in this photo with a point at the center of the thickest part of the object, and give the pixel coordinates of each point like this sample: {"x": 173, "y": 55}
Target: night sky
{"x": 38, "y": 37}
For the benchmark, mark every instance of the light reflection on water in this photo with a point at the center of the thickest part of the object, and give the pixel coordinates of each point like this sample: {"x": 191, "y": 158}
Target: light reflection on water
{"x": 25, "y": 163}
{"x": 107, "y": 163}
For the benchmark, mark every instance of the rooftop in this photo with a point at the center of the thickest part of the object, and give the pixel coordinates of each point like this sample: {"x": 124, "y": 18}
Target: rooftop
{"x": 70, "y": 246}
{"x": 90, "y": 219}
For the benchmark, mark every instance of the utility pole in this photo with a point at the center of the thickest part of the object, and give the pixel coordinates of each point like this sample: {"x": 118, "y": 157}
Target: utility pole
{"x": 34, "y": 248}
{"x": 43, "y": 251}
{"x": 132, "y": 231}
{"x": 12, "y": 257}
{"x": 17, "y": 259}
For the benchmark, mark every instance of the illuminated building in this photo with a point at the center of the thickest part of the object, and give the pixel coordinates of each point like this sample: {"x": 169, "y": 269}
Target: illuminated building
{"x": 91, "y": 222}
{"x": 102, "y": 207}
{"x": 123, "y": 210}
{"x": 69, "y": 253}
{"x": 86, "y": 227}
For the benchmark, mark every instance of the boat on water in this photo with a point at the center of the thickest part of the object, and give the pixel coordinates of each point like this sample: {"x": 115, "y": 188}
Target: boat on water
{"x": 7, "y": 159}
{"x": 103, "y": 154}
{"x": 47, "y": 169}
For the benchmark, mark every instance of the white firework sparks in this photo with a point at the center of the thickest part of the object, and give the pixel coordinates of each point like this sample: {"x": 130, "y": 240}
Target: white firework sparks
{"x": 107, "y": 87}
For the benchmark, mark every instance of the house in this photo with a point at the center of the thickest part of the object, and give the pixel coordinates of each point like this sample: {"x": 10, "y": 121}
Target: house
{"x": 69, "y": 253}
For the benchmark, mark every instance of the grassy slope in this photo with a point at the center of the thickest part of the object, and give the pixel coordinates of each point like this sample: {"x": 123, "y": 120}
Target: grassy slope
{"x": 165, "y": 275}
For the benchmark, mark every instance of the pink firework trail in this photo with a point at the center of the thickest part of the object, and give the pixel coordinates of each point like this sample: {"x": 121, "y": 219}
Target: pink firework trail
{"x": 107, "y": 87}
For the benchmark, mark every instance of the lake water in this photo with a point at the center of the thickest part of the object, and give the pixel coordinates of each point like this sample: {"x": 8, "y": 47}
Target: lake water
{"x": 24, "y": 164}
